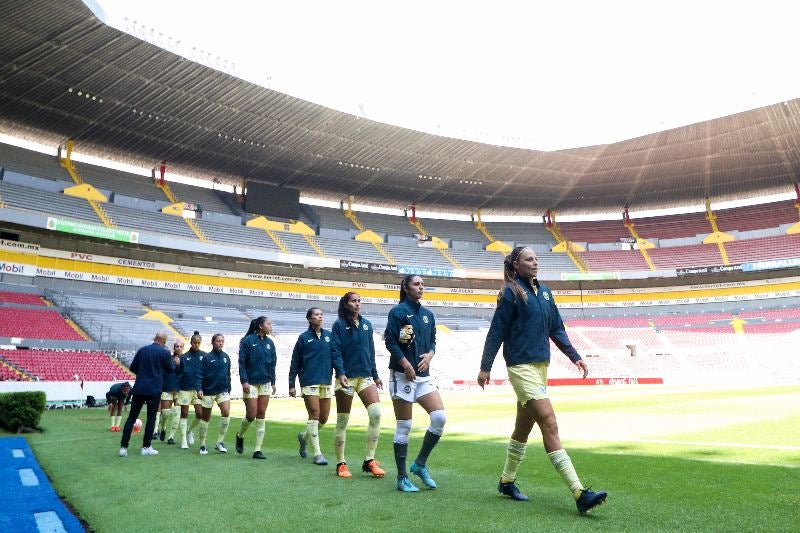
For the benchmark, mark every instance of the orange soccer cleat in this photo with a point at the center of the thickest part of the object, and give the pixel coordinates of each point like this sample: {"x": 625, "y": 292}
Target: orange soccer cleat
{"x": 342, "y": 470}
{"x": 373, "y": 467}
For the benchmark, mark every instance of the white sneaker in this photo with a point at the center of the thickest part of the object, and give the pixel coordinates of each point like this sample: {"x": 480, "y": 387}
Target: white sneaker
{"x": 184, "y": 446}
{"x": 190, "y": 438}
{"x": 220, "y": 447}
{"x": 123, "y": 452}
{"x": 203, "y": 450}
{"x": 149, "y": 451}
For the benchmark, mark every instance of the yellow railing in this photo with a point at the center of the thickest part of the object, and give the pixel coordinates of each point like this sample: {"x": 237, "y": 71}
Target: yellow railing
{"x": 479, "y": 225}
{"x": 712, "y": 219}
{"x": 67, "y": 163}
{"x": 189, "y": 222}
{"x": 385, "y": 253}
{"x": 277, "y": 240}
{"x": 635, "y": 235}
{"x": 314, "y": 244}
{"x": 577, "y": 260}
{"x": 447, "y": 255}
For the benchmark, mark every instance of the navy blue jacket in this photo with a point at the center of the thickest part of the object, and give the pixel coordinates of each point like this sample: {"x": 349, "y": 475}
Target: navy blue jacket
{"x": 311, "y": 359}
{"x": 191, "y": 370}
{"x": 172, "y": 381}
{"x": 150, "y": 364}
{"x": 525, "y": 329}
{"x": 423, "y": 339}
{"x": 257, "y": 360}
{"x": 216, "y": 373}
{"x": 353, "y": 350}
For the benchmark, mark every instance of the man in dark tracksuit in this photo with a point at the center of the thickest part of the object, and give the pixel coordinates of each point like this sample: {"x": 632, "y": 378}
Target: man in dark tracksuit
{"x": 149, "y": 364}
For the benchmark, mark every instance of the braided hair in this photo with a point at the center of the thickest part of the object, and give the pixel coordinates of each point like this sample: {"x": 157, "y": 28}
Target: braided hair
{"x": 510, "y": 275}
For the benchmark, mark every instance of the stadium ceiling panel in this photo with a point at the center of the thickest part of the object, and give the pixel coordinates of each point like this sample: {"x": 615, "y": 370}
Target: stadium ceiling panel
{"x": 63, "y": 73}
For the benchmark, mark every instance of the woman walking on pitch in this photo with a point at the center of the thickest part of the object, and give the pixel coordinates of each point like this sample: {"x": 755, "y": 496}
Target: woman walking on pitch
{"x": 170, "y": 412}
{"x": 257, "y": 360}
{"x": 311, "y": 361}
{"x": 525, "y": 321}
{"x": 353, "y": 353}
{"x": 216, "y": 389}
{"x": 411, "y": 340}
{"x": 190, "y": 371}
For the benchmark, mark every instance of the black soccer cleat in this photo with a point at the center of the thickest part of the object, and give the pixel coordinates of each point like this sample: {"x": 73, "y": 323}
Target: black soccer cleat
{"x": 511, "y": 490}
{"x": 239, "y": 444}
{"x": 259, "y": 455}
{"x": 301, "y": 437}
{"x": 162, "y": 435}
{"x": 171, "y": 441}
{"x": 588, "y": 500}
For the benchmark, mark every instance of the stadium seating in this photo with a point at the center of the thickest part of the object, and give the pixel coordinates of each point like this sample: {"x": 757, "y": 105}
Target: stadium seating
{"x": 67, "y": 365}
{"x": 21, "y": 298}
{"x": 35, "y": 324}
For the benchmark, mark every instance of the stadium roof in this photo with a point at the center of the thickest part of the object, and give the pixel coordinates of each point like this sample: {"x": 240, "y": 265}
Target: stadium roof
{"x": 63, "y": 73}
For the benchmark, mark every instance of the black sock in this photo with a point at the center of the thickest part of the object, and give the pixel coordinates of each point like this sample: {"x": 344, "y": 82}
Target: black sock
{"x": 400, "y": 454}
{"x": 428, "y": 443}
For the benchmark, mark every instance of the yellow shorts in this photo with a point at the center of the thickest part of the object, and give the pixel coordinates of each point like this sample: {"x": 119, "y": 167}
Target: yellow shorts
{"x": 265, "y": 389}
{"x": 170, "y": 396}
{"x": 323, "y": 391}
{"x": 188, "y": 397}
{"x": 529, "y": 381}
{"x": 208, "y": 401}
{"x": 356, "y": 385}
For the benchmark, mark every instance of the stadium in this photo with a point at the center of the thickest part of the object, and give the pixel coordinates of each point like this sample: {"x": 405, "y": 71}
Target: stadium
{"x": 146, "y": 186}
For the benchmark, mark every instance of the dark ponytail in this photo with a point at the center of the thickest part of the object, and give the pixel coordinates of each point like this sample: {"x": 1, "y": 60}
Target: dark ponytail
{"x": 255, "y": 324}
{"x": 344, "y": 313}
{"x": 510, "y": 275}
{"x": 404, "y": 286}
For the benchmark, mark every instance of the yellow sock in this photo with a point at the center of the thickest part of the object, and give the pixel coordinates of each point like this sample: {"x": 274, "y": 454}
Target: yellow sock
{"x": 373, "y": 429}
{"x": 224, "y": 422}
{"x": 563, "y": 464}
{"x": 203, "y": 432}
{"x": 243, "y": 426}
{"x": 176, "y": 420}
{"x": 515, "y": 453}
{"x": 158, "y": 421}
{"x": 194, "y": 423}
{"x": 340, "y": 435}
{"x": 260, "y": 430}
{"x": 183, "y": 425}
{"x": 312, "y": 434}
{"x": 113, "y": 421}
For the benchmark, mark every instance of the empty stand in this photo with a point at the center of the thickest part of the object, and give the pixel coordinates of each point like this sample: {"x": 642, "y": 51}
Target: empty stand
{"x": 67, "y": 365}
{"x": 36, "y": 324}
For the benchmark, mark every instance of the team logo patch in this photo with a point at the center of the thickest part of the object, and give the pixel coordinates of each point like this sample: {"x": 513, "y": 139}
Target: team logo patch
{"x": 366, "y": 327}
{"x": 425, "y": 319}
{"x": 407, "y": 389}
{"x": 546, "y": 295}
{"x": 327, "y": 339}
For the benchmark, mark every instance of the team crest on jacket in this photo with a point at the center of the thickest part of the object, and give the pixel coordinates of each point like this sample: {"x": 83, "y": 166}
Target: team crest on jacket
{"x": 425, "y": 319}
{"x": 366, "y": 327}
{"x": 546, "y": 295}
{"x": 327, "y": 339}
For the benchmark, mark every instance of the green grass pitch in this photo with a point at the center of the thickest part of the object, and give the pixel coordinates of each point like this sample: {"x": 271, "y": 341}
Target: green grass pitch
{"x": 671, "y": 459}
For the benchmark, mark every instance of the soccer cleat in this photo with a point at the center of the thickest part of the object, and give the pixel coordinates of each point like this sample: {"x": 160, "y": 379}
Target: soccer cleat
{"x": 155, "y": 435}
{"x": 373, "y": 467}
{"x": 220, "y": 447}
{"x": 171, "y": 441}
{"x": 320, "y": 460}
{"x": 259, "y": 455}
{"x": 239, "y": 444}
{"x": 510, "y": 489}
{"x": 149, "y": 451}
{"x": 342, "y": 470}
{"x": 588, "y": 500}
{"x": 112, "y": 429}
{"x": 190, "y": 438}
{"x": 203, "y": 450}
{"x": 123, "y": 452}
{"x": 162, "y": 435}
{"x": 302, "y": 438}
{"x": 404, "y": 485}
{"x": 184, "y": 445}
{"x": 424, "y": 474}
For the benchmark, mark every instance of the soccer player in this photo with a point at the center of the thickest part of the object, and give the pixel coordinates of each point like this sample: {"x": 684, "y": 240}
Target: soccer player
{"x": 116, "y": 397}
{"x": 353, "y": 354}
{"x": 149, "y": 364}
{"x": 257, "y": 360}
{"x": 170, "y": 412}
{"x": 525, "y": 321}
{"x": 410, "y": 337}
{"x": 216, "y": 389}
{"x": 190, "y": 371}
{"x": 311, "y": 361}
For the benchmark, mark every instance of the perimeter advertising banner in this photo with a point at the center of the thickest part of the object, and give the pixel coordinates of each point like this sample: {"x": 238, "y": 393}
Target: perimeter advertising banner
{"x": 92, "y": 230}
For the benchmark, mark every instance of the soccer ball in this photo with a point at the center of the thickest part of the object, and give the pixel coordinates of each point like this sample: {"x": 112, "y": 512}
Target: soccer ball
{"x": 137, "y": 426}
